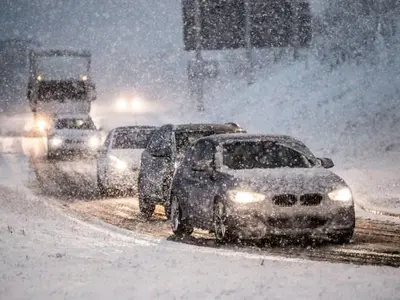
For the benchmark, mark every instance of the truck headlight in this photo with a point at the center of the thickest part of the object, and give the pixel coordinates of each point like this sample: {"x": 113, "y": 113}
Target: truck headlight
{"x": 342, "y": 194}
{"x": 41, "y": 125}
{"x": 245, "y": 197}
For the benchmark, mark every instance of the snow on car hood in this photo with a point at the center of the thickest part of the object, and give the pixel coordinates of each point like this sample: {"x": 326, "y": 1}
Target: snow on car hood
{"x": 286, "y": 180}
{"x": 74, "y": 133}
{"x": 130, "y": 156}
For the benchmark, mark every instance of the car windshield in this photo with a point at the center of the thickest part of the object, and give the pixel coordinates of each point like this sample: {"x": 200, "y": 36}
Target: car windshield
{"x": 75, "y": 123}
{"x": 262, "y": 155}
{"x": 184, "y": 139}
{"x": 131, "y": 139}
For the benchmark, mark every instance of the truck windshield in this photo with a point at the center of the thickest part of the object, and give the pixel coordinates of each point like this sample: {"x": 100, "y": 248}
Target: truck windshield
{"x": 62, "y": 90}
{"x": 82, "y": 124}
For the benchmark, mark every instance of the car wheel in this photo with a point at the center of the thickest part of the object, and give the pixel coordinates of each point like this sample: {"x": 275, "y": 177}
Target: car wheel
{"x": 221, "y": 230}
{"x": 179, "y": 227}
{"x": 167, "y": 209}
{"x": 50, "y": 155}
{"x": 146, "y": 208}
{"x": 343, "y": 237}
{"x": 100, "y": 186}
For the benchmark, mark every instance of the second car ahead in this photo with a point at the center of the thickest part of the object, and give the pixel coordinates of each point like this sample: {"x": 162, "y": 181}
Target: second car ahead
{"x": 73, "y": 134}
{"x": 163, "y": 154}
{"x": 118, "y": 161}
{"x": 256, "y": 186}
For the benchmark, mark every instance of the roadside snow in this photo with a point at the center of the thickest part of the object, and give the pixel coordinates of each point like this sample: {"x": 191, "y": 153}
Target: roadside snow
{"x": 48, "y": 255}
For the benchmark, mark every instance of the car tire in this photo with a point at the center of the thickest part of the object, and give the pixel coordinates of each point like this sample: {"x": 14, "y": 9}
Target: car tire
{"x": 100, "y": 186}
{"x": 50, "y": 155}
{"x": 180, "y": 228}
{"x": 221, "y": 230}
{"x": 167, "y": 209}
{"x": 146, "y": 208}
{"x": 343, "y": 237}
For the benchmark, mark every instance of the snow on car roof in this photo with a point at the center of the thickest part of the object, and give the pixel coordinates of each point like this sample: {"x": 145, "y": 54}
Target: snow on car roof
{"x": 206, "y": 127}
{"x": 132, "y": 128}
{"x": 248, "y": 137}
{"x": 72, "y": 116}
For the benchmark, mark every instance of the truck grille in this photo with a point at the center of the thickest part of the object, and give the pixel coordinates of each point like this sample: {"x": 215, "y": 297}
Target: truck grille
{"x": 284, "y": 200}
{"x": 310, "y": 199}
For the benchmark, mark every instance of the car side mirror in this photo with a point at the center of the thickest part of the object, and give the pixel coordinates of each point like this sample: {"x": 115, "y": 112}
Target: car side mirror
{"x": 203, "y": 166}
{"x": 326, "y": 162}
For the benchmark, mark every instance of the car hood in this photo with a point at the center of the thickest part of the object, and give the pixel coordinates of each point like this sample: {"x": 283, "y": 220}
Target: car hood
{"x": 130, "y": 156}
{"x": 286, "y": 180}
{"x": 74, "y": 133}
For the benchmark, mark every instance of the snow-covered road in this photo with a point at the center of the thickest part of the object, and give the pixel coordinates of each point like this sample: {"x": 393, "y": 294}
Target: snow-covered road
{"x": 48, "y": 253}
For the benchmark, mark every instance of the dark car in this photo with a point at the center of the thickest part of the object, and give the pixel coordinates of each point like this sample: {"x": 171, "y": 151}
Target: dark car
{"x": 118, "y": 160}
{"x": 163, "y": 153}
{"x": 257, "y": 186}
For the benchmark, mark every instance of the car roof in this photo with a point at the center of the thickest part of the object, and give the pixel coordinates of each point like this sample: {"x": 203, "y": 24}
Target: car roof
{"x": 72, "y": 116}
{"x": 221, "y": 138}
{"x": 133, "y": 128}
{"x": 227, "y": 127}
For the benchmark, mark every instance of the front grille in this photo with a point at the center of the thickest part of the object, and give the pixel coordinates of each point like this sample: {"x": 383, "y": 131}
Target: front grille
{"x": 68, "y": 141}
{"x": 284, "y": 200}
{"x": 310, "y": 199}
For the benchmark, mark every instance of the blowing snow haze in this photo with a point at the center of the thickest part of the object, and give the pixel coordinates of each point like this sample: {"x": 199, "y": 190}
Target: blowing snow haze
{"x": 125, "y": 37}
{"x": 73, "y": 221}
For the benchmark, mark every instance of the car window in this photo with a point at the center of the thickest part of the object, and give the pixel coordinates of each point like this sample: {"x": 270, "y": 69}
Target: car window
{"x": 75, "y": 123}
{"x": 263, "y": 155}
{"x": 159, "y": 139}
{"x": 204, "y": 150}
{"x": 131, "y": 139}
{"x": 185, "y": 138}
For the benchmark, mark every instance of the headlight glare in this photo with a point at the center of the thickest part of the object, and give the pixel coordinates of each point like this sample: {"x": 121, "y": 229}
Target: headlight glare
{"x": 342, "y": 194}
{"x": 94, "y": 142}
{"x": 118, "y": 163}
{"x": 245, "y": 197}
{"x": 56, "y": 142}
{"x": 41, "y": 125}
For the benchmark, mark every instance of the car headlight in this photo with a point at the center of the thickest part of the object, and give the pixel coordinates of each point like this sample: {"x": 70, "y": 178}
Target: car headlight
{"x": 41, "y": 125}
{"x": 118, "y": 163}
{"x": 342, "y": 194}
{"x": 94, "y": 142}
{"x": 245, "y": 197}
{"x": 122, "y": 104}
{"x": 56, "y": 142}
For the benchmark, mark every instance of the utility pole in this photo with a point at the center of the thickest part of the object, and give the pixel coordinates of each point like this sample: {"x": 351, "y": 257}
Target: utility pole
{"x": 249, "y": 52}
{"x": 199, "y": 76}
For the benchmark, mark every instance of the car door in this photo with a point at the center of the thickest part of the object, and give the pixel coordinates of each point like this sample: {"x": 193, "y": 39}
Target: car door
{"x": 102, "y": 156}
{"x": 200, "y": 184}
{"x": 155, "y": 163}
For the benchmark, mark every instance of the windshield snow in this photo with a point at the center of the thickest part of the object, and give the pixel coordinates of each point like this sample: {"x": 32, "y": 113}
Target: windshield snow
{"x": 262, "y": 155}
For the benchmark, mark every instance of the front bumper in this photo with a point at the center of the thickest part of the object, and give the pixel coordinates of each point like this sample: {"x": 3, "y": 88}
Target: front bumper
{"x": 255, "y": 221}
{"x": 122, "y": 180}
{"x": 71, "y": 151}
